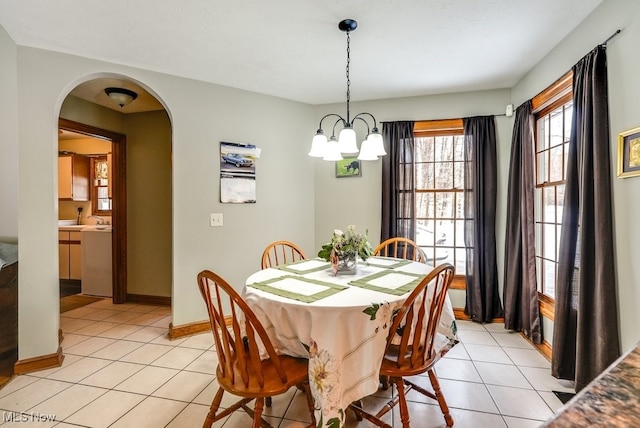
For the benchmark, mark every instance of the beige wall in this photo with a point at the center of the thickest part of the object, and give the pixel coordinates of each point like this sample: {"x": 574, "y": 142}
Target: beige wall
{"x": 8, "y": 139}
{"x": 149, "y": 203}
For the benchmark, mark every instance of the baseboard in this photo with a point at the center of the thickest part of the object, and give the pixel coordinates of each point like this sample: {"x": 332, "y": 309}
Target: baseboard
{"x": 176, "y": 332}
{"x": 545, "y": 349}
{"x": 4, "y": 380}
{"x": 149, "y": 300}
{"x": 39, "y": 363}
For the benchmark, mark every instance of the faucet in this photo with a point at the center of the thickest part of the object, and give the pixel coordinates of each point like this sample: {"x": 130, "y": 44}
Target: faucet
{"x": 100, "y": 220}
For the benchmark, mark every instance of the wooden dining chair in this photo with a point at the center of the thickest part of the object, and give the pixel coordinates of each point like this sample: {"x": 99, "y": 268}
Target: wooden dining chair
{"x": 240, "y": 370}
{"x": 409, "y": 350}
{"x": 401, "y": 248}
{"x": 281, "y": 252}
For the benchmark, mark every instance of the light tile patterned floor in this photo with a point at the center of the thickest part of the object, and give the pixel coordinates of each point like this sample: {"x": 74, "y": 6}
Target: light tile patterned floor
{"x": 121, "y": 370}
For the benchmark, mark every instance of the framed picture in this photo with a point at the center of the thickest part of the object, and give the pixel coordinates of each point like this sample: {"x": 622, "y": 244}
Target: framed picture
{"x": 348, "y": 167}
{"x": 629, "y": 153}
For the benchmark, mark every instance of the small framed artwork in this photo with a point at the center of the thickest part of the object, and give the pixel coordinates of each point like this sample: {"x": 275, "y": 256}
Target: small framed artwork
{"x": 629, "y": 153}
{"x": 348, "y": 167}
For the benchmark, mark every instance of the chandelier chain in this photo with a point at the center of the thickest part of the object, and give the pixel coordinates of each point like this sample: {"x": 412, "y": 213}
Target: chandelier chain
{"x": 348, "y": 80}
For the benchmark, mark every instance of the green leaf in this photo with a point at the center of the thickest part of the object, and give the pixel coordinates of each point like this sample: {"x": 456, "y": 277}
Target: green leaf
{"x": 371, "y": 311}
{"x": 333, "y": 423}
{"x": 325, "y": 252}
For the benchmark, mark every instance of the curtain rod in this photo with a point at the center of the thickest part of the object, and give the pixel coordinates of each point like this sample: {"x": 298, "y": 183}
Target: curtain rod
{"x": 611, "y": 36}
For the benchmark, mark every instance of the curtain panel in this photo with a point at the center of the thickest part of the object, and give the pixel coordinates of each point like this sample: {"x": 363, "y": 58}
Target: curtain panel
{"x": 585, "y": 334}
{"x": 483, "y": 301}
{"x": 398, "y": 184}
{"x": 521, "y": 310}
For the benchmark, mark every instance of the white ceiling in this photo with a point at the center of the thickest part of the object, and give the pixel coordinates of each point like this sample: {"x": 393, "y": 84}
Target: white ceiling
{"x": 293, "y": 48}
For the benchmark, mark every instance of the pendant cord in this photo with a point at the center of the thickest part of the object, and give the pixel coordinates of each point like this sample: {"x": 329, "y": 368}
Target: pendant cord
{"x": 348, "y": 80}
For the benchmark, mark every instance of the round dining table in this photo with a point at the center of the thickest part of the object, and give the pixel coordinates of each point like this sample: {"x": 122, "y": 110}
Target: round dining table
{"x": 339, "y": 322}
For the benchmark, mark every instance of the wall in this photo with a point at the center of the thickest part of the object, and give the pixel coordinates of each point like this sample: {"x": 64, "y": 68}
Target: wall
{"x": 149, "y": 203}
{"x": 624, "y": 113}
{"x": 343, "y": 201}
{"x": 8, "y": 140}
{"x": 201, "y": 116}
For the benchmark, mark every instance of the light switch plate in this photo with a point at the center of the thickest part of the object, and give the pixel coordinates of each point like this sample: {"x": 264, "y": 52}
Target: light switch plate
{"x": 215, "y": 220}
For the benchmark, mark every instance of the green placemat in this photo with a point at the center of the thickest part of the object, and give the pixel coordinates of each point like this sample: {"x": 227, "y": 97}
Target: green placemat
{"x": 376, "y": 282}
{"x": 387, "y": 262}
{"x": 271, "y": 286}
{"x": 299, "y": 266}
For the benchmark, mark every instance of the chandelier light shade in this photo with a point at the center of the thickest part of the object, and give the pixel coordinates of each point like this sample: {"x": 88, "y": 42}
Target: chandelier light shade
{"x": 121, "y": 96}
{"x": 333, "y": 148}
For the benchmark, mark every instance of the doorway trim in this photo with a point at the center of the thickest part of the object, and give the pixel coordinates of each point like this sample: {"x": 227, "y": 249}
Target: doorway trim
{"x": 119, "y": 209}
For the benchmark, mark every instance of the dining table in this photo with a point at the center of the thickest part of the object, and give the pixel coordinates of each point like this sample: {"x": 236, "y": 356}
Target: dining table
{"x": 339, "y": 322}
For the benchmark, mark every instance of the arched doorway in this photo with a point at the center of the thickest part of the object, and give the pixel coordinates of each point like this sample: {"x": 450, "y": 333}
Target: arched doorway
{"x": 134, "y": 134}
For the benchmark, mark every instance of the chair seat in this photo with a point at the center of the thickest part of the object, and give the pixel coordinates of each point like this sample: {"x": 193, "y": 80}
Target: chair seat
{"x": 391, "y": 368}
{"x": 295, "y": 368}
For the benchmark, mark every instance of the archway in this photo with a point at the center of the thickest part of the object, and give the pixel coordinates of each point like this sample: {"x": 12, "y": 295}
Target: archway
{"x": 88, "y": 111}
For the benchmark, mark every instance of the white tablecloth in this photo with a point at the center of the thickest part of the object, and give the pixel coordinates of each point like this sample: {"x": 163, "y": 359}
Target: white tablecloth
{"x": 339, "y": 322}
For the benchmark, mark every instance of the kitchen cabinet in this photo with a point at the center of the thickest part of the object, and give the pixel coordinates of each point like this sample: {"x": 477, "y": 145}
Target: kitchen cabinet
{"x": 73, "y": 177}
{"x": 70, "y": 254}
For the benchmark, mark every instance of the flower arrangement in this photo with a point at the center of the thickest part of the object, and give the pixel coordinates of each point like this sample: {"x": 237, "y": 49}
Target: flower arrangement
{"x": 346, "y": 246}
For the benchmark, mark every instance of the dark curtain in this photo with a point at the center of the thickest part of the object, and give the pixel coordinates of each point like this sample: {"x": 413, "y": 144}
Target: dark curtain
{"x": 585, "y": 332}
{"x": 521, "y": 311}
{"x": 480, "y": 176}
{"x": 398, "y": 189}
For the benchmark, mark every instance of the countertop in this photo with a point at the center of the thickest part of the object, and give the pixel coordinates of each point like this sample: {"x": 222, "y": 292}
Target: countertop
{"x": 86, "y": 228}
{"x": 611, "y": 400}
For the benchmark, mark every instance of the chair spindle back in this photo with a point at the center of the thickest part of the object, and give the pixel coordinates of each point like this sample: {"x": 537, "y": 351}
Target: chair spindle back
{"x": 281, "y": 252}
{"x": 238, "y": 351}
{"x": 417, "y": 320}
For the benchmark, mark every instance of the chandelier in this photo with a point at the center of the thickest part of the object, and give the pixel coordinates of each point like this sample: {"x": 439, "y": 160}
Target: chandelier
{"x": 332, "y": 149}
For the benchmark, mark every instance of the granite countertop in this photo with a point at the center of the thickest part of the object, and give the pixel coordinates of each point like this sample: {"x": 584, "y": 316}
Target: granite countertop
{"x": 611, "y": 400}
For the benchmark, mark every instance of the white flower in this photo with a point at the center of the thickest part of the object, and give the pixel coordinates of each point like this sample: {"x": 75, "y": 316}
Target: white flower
{"x": 323, "y": 378}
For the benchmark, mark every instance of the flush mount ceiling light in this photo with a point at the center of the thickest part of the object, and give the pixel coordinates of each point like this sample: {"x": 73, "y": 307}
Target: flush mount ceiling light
{"x": 332, "y": 149}
{"x": 122, "y": 97}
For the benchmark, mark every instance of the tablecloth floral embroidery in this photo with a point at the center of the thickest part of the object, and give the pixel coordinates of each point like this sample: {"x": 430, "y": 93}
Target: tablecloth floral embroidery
{"x": 325, "y": 371}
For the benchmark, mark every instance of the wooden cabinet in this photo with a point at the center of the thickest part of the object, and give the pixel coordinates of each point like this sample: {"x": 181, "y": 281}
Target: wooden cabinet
{"x": 70, "y": 254}
{"x": 8, "y": 320}
{"x": 73, "y": 177}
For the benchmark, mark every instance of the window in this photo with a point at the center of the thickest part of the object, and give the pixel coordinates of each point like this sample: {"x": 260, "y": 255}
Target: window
{"x": 100, "y": 194}
{"x": 553, "y": 129}
{"x": 439, "y": 184}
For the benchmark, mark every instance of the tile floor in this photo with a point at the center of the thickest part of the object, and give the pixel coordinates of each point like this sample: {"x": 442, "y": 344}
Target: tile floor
{"x": 120, "y": 370}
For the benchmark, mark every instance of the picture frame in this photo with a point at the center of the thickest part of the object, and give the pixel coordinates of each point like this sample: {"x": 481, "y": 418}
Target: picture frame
{"x": 629, "y": 153}
{"x": 348, "y": 167}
